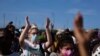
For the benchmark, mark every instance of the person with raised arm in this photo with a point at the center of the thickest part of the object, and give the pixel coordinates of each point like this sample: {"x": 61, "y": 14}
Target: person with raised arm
{"x": 80, "y": 35}
{"x": 29, "y": 41}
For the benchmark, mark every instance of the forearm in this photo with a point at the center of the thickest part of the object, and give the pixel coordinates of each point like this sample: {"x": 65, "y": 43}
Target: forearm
{"x": 82, "y": 49}
{"x": 81, "y": 42}
{"x": 49, "y": 38}
{"x": 23, "y": 35}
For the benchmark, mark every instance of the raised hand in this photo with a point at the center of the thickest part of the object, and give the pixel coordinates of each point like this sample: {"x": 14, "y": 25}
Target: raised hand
{"x": 27, "y": 22}
{"x": 48, "y": 34}
{"x": 78, "y": 28}
{"x": 79, "y": 34}
{"x": 78, "y": 21}
{"x": 24, "y": 32}
{"x": 47, "y": 22}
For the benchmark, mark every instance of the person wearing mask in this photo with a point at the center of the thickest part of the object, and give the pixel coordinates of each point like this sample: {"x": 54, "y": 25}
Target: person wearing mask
{"x": 28, "y": 42}
{"x": 65, "y": 46}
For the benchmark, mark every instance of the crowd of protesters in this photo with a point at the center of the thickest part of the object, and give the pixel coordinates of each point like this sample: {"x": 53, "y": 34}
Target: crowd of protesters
{"x": 30, "y": 41}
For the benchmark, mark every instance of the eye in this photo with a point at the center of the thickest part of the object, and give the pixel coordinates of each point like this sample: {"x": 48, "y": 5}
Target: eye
{"x": 69, "y": 49}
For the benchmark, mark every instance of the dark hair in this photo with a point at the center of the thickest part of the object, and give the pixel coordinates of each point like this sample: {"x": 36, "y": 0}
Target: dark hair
{"x": 10, "y": 26}
{"x": 22, "y": 27}
{"x": 11, "y": 22}
{"x": 64, "y": 40}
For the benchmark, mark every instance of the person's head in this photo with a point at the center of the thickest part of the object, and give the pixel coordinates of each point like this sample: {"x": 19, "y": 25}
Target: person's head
{"x": 22, "y": 28}
{"x": 66, "y": 45}
{"x": 10, "y": 28}
{"x": 33, "y": 29}
{"x": 33, "y": 33}
{"x": 59, "y": 33}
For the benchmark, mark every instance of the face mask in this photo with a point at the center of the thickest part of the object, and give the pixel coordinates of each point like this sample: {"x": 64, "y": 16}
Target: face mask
{"x": 67, "y": 52}
{"x": 33, "y": 38}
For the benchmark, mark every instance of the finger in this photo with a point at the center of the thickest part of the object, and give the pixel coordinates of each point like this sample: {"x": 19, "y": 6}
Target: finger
{"x": 78, "y": 20}
{"x": 78, "y": 28}
{"x": 47, "y": 17}
{"x": 27, "y": 18}
{"x": 47, "y": 22}
{"x": 27, "y": 21}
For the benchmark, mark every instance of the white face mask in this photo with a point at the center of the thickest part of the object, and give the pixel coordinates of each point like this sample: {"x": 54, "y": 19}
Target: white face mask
{"x": 33, "y": 38}
{"x": 97, "y": 52}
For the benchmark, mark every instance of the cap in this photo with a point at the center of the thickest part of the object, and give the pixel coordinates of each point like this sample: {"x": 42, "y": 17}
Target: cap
{"x": 34, "y": 26}
{"x": 59, "y": 31}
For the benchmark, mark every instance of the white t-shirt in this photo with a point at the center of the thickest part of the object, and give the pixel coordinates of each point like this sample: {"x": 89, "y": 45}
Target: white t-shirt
{"x": 29, "y": 49}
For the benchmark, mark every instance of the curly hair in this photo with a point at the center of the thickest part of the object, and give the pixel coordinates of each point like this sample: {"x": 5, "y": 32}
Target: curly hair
{"x": 64, "y": 40}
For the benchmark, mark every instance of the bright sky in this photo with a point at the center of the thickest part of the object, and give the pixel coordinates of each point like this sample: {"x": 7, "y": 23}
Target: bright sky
{"x": 61, "y": 12}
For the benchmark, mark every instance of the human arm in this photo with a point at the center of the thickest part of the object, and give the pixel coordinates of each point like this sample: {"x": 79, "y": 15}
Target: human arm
{"x": 79, "y": 34}
{"x": 24, "y": 32}
{"x": 49, "y": 38}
